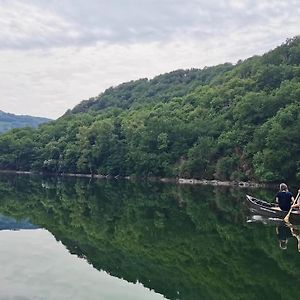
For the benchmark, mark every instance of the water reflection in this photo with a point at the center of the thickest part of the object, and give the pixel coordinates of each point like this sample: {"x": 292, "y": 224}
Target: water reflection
{"x": 35, "y": 266}
{"x": 284, "y": 231}
{"x": 182, "y": 242}
{"x": 7, "y": 223}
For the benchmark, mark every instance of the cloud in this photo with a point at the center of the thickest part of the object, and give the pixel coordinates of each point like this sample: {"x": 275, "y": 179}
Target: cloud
{"x": 25, "y": 26}
{"x": 46, "y": 24}
{"x": 53, "y": 54}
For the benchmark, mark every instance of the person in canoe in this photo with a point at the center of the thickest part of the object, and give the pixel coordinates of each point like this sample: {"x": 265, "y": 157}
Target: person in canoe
{"x": 285, "y": 199}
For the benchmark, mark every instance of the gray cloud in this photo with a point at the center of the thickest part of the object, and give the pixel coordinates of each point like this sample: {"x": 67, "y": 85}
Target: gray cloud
{"x": 40, "y": 23}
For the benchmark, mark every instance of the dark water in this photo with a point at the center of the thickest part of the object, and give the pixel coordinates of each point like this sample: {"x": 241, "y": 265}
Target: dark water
{"x": 82, "y": 239}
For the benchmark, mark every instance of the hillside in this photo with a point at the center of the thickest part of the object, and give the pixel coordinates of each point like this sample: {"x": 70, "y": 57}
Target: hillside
{"x": 9, "y": 121}
{"x": 236, "y": 122}
{"x": 162, "y": 88}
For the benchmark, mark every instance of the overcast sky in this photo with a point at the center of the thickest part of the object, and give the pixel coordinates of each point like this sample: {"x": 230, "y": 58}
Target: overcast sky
{"x": 53, "y": 54}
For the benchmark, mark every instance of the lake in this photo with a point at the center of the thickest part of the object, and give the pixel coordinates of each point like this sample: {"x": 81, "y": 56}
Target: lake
{"x": 71, "y": 238}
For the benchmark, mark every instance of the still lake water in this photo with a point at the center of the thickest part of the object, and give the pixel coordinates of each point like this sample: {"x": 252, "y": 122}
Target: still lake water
{"x": 83, "y": 239}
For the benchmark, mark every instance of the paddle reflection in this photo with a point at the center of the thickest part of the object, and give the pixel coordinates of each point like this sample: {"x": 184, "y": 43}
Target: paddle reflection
{"x": 295, "y": 232}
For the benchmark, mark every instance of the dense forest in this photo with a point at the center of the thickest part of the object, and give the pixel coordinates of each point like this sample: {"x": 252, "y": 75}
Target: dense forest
{"x": 227, "y": 122}
{"x": 163, "y": 236}
{"x": 9, "y": 121}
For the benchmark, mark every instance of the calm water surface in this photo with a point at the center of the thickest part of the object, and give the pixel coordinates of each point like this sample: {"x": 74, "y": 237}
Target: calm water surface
{"x": 81, "y": 239}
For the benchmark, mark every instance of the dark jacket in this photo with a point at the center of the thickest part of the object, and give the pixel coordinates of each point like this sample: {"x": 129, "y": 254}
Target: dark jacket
{"x": 284, "y": 200}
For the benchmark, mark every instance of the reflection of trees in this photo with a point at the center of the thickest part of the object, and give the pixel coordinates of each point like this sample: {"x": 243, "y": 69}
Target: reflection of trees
{"x": 190, "y": 240}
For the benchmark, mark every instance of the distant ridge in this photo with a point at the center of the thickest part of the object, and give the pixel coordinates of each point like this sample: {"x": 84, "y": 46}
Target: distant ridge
{"x": 9, "y": 121}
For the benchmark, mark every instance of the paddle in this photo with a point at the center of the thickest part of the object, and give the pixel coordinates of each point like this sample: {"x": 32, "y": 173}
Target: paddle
{"x": 287, "y": 217}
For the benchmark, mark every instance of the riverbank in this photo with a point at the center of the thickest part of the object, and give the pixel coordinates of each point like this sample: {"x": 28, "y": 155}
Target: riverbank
{"x": 184, "y": 181}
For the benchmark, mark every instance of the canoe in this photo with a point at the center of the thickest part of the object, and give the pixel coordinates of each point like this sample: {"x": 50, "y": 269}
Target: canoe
{"x": 268, "y": 210}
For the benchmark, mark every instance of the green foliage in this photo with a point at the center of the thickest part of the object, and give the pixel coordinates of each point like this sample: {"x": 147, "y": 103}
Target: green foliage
{"x": 160, "y": 89}
{"x": 279, "y": 158}
{"x": 199, "y": 158}
{"x": 225, "y": 122}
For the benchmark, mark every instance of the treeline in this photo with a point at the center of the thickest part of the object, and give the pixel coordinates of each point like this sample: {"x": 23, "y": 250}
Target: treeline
{"x": 236, "y": 122}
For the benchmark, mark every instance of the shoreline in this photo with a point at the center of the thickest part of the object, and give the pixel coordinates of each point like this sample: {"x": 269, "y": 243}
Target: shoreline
{"x": 183, "y": 181}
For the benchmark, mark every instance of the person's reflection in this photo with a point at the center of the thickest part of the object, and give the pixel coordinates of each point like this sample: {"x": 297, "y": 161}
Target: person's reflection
{"x": 284, "y": 232}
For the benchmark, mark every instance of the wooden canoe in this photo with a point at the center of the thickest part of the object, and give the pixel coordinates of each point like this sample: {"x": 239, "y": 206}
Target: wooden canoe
{"x": 268, "y": 210}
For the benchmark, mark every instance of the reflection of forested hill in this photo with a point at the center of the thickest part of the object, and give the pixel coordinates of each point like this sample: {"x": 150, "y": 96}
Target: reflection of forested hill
{"x": 7, "y": 223}
{"x": 10, "y": 121}
{"x": 186, "y": 243}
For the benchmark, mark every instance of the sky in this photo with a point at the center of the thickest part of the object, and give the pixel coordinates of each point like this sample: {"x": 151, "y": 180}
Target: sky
{"x": 54, "y": 54}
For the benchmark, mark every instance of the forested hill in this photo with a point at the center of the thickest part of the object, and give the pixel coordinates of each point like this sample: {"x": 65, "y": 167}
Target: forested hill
{"x": 236, "y": 122}
{"x": 9, "y": 121}
{"x": 160, "y": 89}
